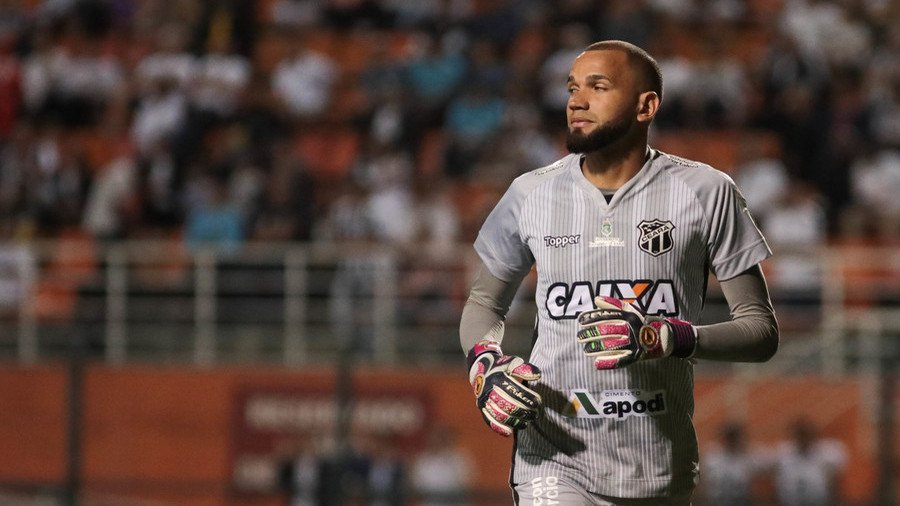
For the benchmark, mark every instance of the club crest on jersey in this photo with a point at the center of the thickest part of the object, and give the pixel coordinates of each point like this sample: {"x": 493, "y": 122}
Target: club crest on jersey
{"x": 656, "y": 236}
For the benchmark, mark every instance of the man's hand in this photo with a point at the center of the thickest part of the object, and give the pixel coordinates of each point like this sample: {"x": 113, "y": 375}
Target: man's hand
{"x": 499, "y": 382}
{"x": 617, "y": 334}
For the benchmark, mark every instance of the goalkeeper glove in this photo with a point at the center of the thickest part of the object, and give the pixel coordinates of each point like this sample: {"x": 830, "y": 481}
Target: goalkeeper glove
{"x": 617, "y": 334}
{"x": 499, "y": 382}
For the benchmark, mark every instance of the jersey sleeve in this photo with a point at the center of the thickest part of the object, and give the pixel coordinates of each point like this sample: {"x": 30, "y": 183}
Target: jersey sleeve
{"x": 735, "y": 242}
{"x": 500, "y": 242}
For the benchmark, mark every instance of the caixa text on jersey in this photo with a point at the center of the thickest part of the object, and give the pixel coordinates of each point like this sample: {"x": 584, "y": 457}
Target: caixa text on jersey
{"x": 654, "y": 297}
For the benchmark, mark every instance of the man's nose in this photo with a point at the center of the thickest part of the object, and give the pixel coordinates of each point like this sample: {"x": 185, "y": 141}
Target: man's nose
{"x": 577, "y": 101}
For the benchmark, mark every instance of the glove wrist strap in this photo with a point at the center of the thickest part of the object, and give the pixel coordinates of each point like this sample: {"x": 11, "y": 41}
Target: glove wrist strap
{"x": 684, "y": 338}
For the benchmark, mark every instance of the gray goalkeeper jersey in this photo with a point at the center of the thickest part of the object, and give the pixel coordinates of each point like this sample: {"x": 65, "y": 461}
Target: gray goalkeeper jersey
{"x": 625, "y": 432}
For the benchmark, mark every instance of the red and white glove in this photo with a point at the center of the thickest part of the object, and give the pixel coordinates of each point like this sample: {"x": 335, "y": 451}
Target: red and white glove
{"x": 617, "y": 334}
{"x": 499, "y": 382}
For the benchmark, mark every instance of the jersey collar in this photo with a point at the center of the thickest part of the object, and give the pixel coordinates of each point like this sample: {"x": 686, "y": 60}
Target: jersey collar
{"x": 641, "y": 179}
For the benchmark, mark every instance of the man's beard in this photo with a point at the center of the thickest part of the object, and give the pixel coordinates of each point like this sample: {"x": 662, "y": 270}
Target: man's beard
{"x": 601, "y": 137}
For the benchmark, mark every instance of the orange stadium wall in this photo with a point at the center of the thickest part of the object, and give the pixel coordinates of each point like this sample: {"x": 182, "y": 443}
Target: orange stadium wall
{"x": 168, "y": 433}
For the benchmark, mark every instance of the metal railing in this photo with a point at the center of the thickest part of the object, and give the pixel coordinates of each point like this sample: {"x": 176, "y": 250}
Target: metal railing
{"x": 299, "y": 303}
{"x": 293, "y": 303}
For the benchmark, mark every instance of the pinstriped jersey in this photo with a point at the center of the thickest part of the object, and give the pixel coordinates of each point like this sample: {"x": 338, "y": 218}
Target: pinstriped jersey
{"x": 625, "y": 432}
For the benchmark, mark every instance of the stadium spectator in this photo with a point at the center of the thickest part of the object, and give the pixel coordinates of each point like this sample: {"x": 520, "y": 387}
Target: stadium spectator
{"x": 807, "y": 468}
{"x": 729, "y": 470}
{"x": 72, "y": 80}
{"x": 724, "y": 81}
{"x": 389, "y": 122}
{"x": 383, "y": 74}
{"x": 536, "y": 145}
{"x": 288, "y": 208}
{"x": 349, "y": 224}
{"x": 388, "y": 114}
{"x": 56, "y": 182}
{"x": 37, "y": 69}
{"x": 159, "y": 115}
{"x": 823, "y": 29}
{"x": 472, "y": 120}
{"x": 305, "y": 82}
{"x": 169, "y": 61}
{"x": 784, "y": 66}
{"x": 884, "y": 67}
{"x": 876, "y": 183}
{"x": 385, "y": 171}
{"x": 109, "y": 210}
{"x": 440, "y": 475}
{"x": 761, "y": 175}
{"x": 849, "y": 130}
{"x": 219, "y": 81}
{"x": 160, "y": 183}
{"x": 17, "y": 158}
{"x": 162, "y": 83}
{"x": 299, "y": 468}
{"x": 486, "y": 68}
{"x": 509, "y": 154}
{"x": 386, "y": 475}
{"x": 434, "y": 75}
{"x": 795, "y": 226}
{"x": 681, "y": 75}
{"x": 802, "y": 127}
{"x": 246, "y": 186}
{"x": 437, "y": 224}
{"x": 215, "y": 222}
{"x": 886, "y": 117}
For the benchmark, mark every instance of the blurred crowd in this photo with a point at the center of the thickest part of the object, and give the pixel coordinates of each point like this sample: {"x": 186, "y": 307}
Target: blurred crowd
{"x": 804, "y": 466}
{"x": 233, "y": 120}
{"x": 370, "y": 470}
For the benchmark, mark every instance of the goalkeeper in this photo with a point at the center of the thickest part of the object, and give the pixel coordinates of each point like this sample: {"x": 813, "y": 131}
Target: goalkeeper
{"x": 623, "y": 238}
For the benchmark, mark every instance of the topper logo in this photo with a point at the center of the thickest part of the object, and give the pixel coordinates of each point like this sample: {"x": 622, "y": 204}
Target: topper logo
{"x": 561, "y": 241}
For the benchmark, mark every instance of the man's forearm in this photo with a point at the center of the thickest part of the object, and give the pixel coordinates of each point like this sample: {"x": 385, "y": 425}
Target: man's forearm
{"x": 485, "y": 310}
{"x": 752, "y": 334}
{"x": 477, "y": 323}
{"x": 745, "y": 340}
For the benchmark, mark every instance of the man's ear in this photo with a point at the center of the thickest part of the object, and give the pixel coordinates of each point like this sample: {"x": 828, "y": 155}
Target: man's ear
{"x": 648, "y": 104}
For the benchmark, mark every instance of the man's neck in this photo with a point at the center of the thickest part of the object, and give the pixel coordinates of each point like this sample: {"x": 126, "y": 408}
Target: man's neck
{"x": 610, "y": 169}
